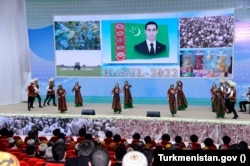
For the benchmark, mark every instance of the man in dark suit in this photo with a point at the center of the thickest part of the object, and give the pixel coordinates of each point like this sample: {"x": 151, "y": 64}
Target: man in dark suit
{"x": 85, "y": 148}
{"x": 150, "y": 46}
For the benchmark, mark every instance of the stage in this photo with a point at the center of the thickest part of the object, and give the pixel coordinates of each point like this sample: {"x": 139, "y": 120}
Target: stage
{"x": 199, "y": 120}
{"x": 140, "y": 110}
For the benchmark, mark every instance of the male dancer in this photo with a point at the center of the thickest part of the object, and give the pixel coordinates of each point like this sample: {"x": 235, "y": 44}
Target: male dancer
{"x": 232, "y": 99}
{"x": 37, "y": 92}
{"x": 50, "y": 93}
{"x": 31, "y": 94}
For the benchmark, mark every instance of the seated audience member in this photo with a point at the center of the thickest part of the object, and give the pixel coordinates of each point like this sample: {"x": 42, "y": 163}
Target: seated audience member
{"x": 120, "y": 152}
{"x": 179, "y": 144}
{"x": 137, "y": 146}
{"x": 149, "y": 155}
{"x": 244, "y": 144}
{"x": 117, "y": 141}
{"x": 99, "y": 157}
{"x": 237, "y": 147}
{"x": 41, "y": 150}
{"x": 61, "y": 136}
{"x": 109, "y": 138}
{"x": 209, "y": 144}
{"x": 134, "y": 158}
{"x": 10, "y": 134}
{"x": 226, "y": 143}
{"x": 85, "y": 148}
{"x": 149, "y": 143}
{"x": 81, "y": 133}
{"x": 31, "y": 150}
{"x": 8, "y": 159}
{"x": 165, "y": 141}
{"x": 4, "y": 134}
{"x": 32, "y": 134}
{"x": 89, "y": 136}
{"x": 56, "y": 134}
{"x": 49, "y": 155}
{"x": 194, "y": 145}
{"x": 12, "y": 143}
{"x": 136, "y": 138}
{"x": 59, "y": 152}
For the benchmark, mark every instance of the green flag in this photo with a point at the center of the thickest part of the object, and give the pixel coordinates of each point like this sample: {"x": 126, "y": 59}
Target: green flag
{"x": 127, "y": 35}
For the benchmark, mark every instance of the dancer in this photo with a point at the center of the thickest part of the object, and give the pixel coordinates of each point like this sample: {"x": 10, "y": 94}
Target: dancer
{"x": 213, "y": 97}
{"x": 78, "y": 95}
{"x": 61, "y": 95}
{"x": 232, "y": 99}
{"x": 116, "y": 104}
{"x": 172, "y": 100}
{"x": 219, "y": 104}
{"x": 37, "y": 92}
{"x": 181, "y": 99}
{"x": 31, "y": 94}
{"x": 50, "y": 92}
{"x": 227, "y": 93}
{"x": 128, "y": 100}
{"x": 246, "y": 101}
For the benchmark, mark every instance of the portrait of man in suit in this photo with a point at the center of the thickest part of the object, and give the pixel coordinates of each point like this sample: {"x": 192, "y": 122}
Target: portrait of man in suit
{"x": 150, "y": 46}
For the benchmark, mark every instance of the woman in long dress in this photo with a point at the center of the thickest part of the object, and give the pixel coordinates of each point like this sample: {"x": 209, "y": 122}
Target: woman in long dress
{"x": 172, "y": 100}
{"x": 78, "y": 95}
{"x": 116, "y": 104}
{"x": 181, "y": 99}
{"x": 219, "y": 104}
{"x": 128, "y": 100}
{"x": 61, "y": 95}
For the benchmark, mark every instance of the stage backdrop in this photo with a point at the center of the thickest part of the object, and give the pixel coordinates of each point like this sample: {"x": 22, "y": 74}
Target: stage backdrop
{"x": 202, "y": 47}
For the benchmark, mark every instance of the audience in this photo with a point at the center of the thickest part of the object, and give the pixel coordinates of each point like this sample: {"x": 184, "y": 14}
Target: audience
{"x": 120, "y": 151}
{"x": 226, "y": 143}
{"x": 81, "y": 133}
{"x": 194, "y": 145}
{"x": 209, "y": 144}
{"x": 134, "y": 158}
{"x": 149, "y": 143}
{"x": 59, "y": 152}
{"x": 165, "y": 141}
{"x": 85, "y": 148}
{"x": 99, "y": 157}
{"x": 149, "y": 155}
{"x": 179, "y": 144}
{"x": 88, "y": 152}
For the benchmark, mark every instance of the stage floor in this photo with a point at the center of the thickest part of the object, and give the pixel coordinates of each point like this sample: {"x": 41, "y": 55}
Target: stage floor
{"x": 139, "y": 110}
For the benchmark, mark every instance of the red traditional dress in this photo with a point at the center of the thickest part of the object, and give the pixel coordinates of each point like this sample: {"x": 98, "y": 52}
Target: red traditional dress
{"x": 181, "y": 99}
{"x": 213, "y": 97}
{"x": 172, "y": 101}
{"x": 78, "y": 95}
{"x": 62, "y": 105}
{"x": 116, "y": 104}
{"x": 128, "y": 100}
{"x": 220, "y": 105}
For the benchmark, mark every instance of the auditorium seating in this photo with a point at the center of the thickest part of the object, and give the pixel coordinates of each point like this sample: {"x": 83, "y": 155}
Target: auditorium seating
{"x": 33, "y": 161}
{"x": 23, "y": 163}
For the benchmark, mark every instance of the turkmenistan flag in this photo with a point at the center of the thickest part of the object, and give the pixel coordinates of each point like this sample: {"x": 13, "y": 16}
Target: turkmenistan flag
{"x": 133, "y": 34}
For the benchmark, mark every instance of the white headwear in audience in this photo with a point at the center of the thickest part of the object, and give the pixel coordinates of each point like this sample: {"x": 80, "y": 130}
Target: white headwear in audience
{"x": 31, "y": 142}
{"x": 134, "y": 158}
{"x": 11, "y": 140}
{"x": 48, "y": 154}
{"x": 42, "y": 147}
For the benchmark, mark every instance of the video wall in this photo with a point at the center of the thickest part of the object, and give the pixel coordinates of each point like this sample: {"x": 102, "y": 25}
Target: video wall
{"x": 188, "y": 44}
{"x": 98, "y": 51}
